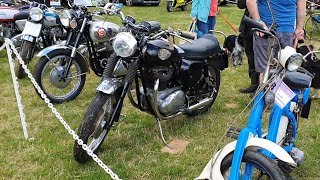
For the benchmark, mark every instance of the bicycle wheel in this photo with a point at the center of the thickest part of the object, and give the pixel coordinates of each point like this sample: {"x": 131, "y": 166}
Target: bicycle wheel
{"x": 312, "y": 26}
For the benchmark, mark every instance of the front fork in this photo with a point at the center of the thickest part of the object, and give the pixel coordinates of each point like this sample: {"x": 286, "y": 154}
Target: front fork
{"x": 132, "y": 71}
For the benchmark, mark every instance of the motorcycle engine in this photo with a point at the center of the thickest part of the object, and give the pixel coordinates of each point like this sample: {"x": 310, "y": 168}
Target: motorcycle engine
{"x": 170, "y": 101}
{"x": 5, "y": 31}
{"x": 55, "y": 31}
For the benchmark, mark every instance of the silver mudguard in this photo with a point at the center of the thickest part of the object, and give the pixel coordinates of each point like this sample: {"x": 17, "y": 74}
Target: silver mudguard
{"x": 109, "y": 86}
{"x": 212, "y": 169}
{"x": 17, "y": 40}
{"x": 47, "y": 50}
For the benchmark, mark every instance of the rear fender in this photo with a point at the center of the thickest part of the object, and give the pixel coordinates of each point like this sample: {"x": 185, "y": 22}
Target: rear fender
{"x": 212, "y": 169}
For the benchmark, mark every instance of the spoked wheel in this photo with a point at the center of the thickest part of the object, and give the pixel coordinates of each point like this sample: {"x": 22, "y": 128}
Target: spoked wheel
{"x": 91, "y": 130}
{"x": 262, "y": 166}
{"x": 170, "y": 7}
{"x": 210, "y": 89}
{"x": 26, "y": 54}
{"x": 312, "y": 27}
{"x": 50, "y": 75}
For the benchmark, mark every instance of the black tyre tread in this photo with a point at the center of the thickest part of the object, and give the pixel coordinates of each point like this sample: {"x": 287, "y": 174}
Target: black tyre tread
{"x": 85, "y": 129}
{"x": 25, "y": 50}
{"x": 44, "y": 60}
{"x": 206, "y": 109}
{"x": 258, "y": 158}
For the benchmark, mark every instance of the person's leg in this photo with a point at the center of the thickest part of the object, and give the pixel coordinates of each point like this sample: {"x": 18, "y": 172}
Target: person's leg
{"x": 254, "y": 76}
{"x": 202, "y": 28}
{"x": 211, "y": 23}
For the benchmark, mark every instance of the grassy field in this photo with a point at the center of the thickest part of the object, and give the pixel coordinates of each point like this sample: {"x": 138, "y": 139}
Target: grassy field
{"x": 132, "y": 149}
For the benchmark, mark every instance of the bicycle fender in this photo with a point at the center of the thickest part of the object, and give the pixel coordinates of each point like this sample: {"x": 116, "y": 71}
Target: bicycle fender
{"x": 212, "y": 169}
{"x": 109, "y": 86}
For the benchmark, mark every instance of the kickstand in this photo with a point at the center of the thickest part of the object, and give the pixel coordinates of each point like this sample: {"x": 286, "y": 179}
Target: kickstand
{"x": 161, "y": 134}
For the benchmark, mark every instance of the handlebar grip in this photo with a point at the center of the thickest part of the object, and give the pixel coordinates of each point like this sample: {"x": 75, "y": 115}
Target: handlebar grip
{"x": 186, "y": 35}
{"x": 252, "y": 23}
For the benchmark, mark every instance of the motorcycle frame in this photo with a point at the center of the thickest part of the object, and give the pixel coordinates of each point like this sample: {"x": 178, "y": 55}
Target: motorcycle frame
{"x": 254, "y": 126}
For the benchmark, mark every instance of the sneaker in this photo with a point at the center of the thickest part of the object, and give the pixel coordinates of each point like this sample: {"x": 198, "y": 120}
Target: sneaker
{"x": 250, "y": 89}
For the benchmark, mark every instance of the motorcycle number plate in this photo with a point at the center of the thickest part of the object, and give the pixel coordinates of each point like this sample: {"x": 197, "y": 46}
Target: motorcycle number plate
{"x": 32, "y": 29}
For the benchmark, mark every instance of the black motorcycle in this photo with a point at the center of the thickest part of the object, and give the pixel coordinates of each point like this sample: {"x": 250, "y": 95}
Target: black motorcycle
{"x": 61, "y": 70}
{"x": 167, "y": 80}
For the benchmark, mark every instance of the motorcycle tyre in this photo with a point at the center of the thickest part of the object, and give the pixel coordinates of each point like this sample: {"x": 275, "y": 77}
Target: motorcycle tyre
{"x": 26, "y": 54}
{"x": 184, "y": 7}
{"x": 254, "y": 157}
{"x": 44, "y": 60}
{"x": 206, "y": 108}
{"x": 86, "y": 127}
{"x": 170, "y": 8}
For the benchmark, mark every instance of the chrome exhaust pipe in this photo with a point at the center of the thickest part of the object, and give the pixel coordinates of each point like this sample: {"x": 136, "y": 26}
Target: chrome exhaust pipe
{"x": 203, "y": 103}
{"x": 155, "y": 104}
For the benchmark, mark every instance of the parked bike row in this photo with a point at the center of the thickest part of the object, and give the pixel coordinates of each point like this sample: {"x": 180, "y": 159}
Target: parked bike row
{"x": 140, "y": 60}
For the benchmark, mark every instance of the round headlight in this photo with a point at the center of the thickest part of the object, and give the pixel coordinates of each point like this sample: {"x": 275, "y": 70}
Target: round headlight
{"x": 290, "y": 59}
{"x": 65, "y": 18}
{"x": 125, "y": 44}
{"x": 36, "y": 14}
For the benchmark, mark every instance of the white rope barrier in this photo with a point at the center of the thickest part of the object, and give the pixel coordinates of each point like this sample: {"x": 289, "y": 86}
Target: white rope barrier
{"x": 10, "y": 47}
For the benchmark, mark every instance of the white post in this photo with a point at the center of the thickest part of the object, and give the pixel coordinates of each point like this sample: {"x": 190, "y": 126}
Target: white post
{"x": 16, "y": 91}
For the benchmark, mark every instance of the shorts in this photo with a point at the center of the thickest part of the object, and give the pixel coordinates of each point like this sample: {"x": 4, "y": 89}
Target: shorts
{"x": 260, "y": 48}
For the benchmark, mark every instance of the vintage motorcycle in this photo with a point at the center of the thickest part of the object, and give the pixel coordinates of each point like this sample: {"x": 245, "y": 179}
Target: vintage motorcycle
{"x": 12, "y": 21}
{"x": 169, "y": 80}
{"x": 61, "y": 70}
{"x": 42, "y": 29}
{"x": 182, "y": 4}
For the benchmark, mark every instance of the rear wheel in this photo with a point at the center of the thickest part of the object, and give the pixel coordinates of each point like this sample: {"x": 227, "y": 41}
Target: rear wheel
{"x": 26, "y": 54}
{"x": 263, "y": 167}
{"x": 129, "y": 3}
{"x": 312, "y": 26}
{"x": 91, "y": 129}
{"x": 211, "y": 86}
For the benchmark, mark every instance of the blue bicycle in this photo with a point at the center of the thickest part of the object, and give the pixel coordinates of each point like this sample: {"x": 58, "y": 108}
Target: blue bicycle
{"x": 272, "y": 155}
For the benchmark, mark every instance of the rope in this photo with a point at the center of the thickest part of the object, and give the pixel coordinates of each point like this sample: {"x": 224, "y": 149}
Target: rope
{"x": 225, "y": 19}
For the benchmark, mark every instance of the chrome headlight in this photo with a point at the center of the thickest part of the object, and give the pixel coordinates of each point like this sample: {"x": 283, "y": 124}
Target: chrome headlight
{"x": 65, "y": 18}
{"x": 125, "y": 44}
{"x": 36, "y": 14}
{"x": 290, "y": 59}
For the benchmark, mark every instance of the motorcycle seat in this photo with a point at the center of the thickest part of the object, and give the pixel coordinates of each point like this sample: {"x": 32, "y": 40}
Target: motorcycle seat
{"x": 297, "y": 80}
{"x": 153, "y": 26}
{"x": 207, "y": 45}
{"x": 22, "y": 15}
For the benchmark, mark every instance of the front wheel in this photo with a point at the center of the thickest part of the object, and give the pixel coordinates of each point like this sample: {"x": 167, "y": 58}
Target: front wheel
{"x": 312, "y": 27}
{"x": 91, "y": 130}
{"x": 262, "y": 166}
{"x": 26, "y": 54}
{"x": 50, "y": 75}
{"x": 170, "y": 7}
{"x": 210, "y": 88}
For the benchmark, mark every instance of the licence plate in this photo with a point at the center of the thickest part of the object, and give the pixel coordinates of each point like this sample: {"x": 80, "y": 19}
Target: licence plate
{"x": 32, "y": 29}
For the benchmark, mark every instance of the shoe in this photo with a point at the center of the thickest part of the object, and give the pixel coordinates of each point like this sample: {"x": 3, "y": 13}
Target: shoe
{"x": 250, "y": 89}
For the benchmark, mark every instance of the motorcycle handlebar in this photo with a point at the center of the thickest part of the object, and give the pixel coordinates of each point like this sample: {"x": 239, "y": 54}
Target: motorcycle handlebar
{"x": 252, "y": 23}
{"x": 186, "y": 35}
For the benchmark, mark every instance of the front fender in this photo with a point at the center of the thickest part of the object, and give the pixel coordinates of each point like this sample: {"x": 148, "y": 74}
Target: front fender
{"x": 212, "y": 169}
{"x": 109, "y": 86}
{"x": 47, "y": 50}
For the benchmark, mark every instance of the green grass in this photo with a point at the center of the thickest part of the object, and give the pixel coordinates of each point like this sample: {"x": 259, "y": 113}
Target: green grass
{"x": 132, "y": 149}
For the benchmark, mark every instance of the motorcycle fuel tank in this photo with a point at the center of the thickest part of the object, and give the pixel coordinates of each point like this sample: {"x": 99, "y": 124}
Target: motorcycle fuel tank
{"x": 101, "y": 31}
{"x": 51, "y": 19}
{"x": 7, "y": 13}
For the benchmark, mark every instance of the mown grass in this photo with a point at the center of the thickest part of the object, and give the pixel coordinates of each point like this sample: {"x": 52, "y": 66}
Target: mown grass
{"x": 132, "y": 149}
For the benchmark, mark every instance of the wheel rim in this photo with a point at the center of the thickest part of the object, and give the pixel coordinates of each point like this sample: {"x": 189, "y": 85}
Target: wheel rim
{"x": 98, "y": 134}
{"x": 258, "y": 172}
{"x": 52, "y": 82}
{"x": 312, "y": 27}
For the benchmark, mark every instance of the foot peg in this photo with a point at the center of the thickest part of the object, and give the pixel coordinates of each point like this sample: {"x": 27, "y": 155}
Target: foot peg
{"x": 233, "y": 132}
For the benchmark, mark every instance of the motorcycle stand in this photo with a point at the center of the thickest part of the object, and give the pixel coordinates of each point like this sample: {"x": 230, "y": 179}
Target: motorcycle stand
{"x": 161, "y": 134}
